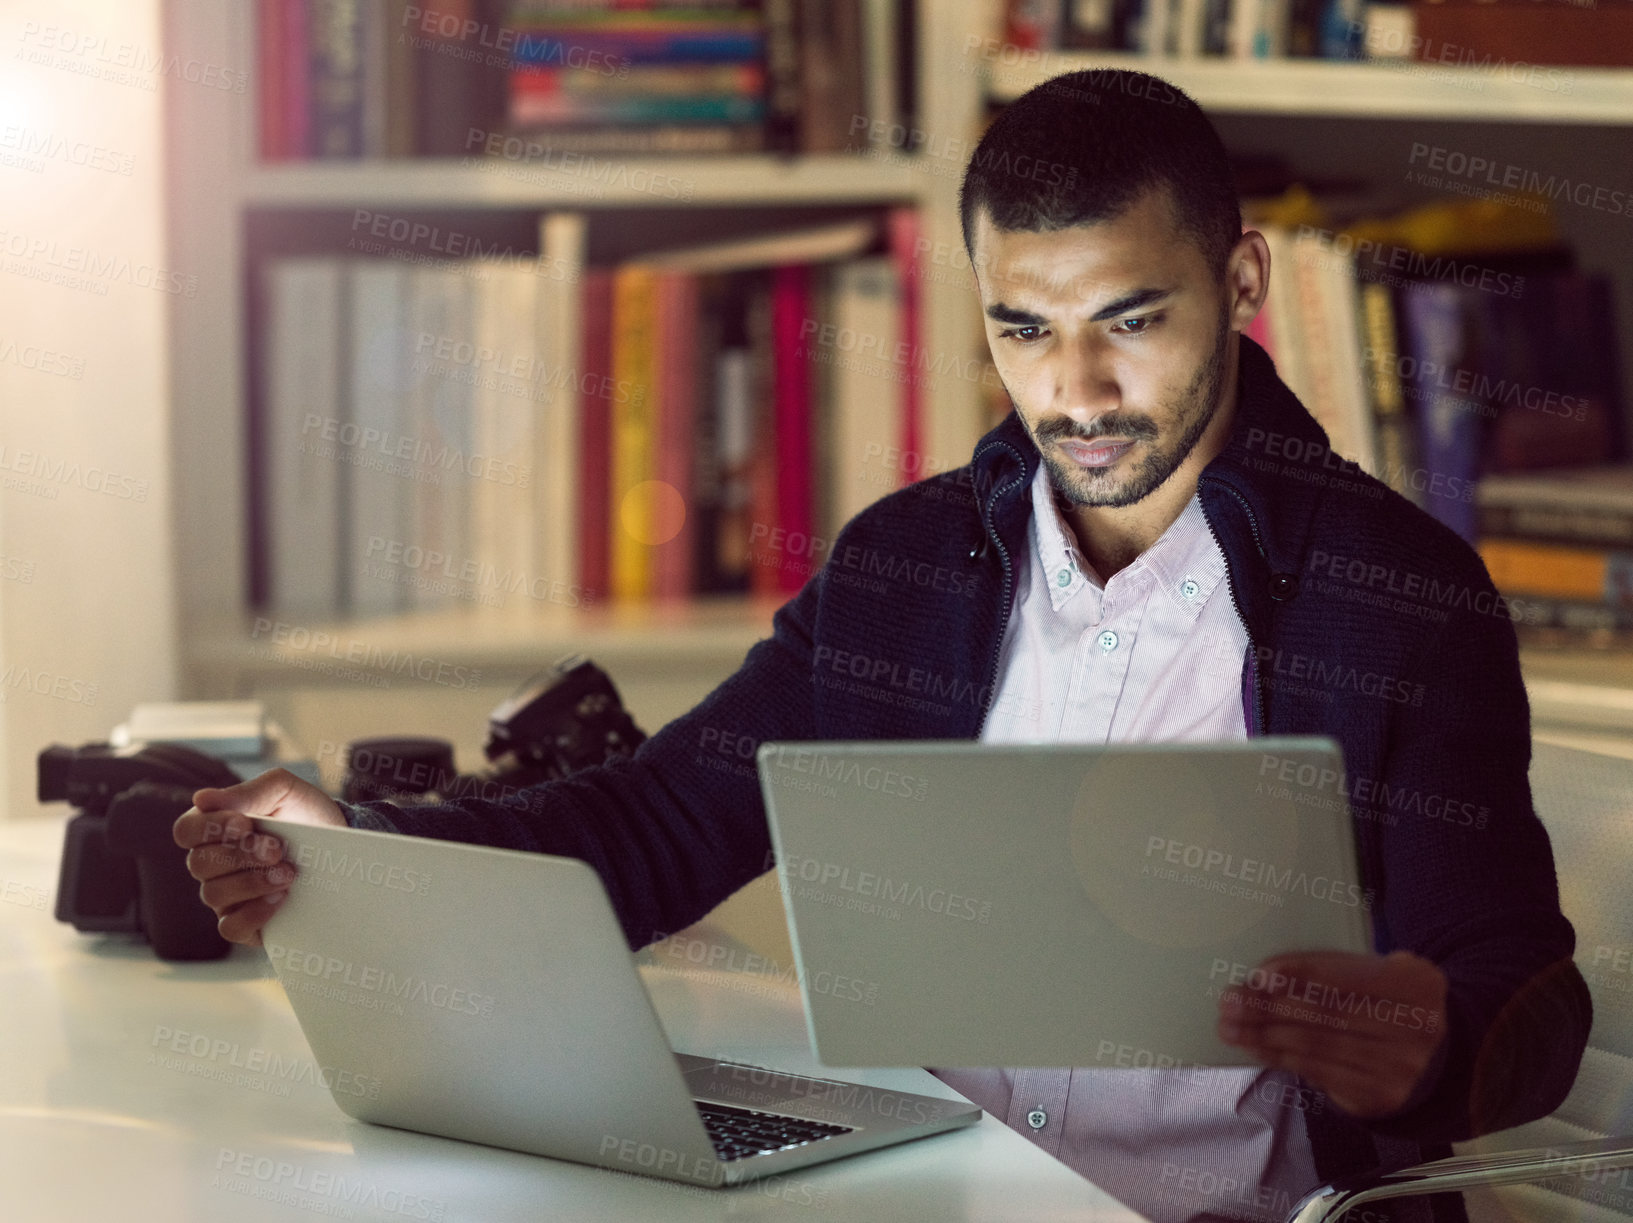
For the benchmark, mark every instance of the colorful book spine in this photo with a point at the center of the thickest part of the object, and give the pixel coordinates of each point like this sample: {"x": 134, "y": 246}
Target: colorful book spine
{"x": 634, "y": 431}
{"x": 599, "y": 392}
{"x": 528, "y": 109}
{"x": 1593, "y": 575}
{"x": 904, "y": 249}
{"x": 791, "y": 387}
{"x": 677, "y": 374}
{"x": 337, "y": 78}
{"x": 627, "y": 48}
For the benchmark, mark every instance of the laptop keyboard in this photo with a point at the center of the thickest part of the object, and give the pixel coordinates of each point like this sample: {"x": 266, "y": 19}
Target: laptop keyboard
{"x": 738, "y": 1133}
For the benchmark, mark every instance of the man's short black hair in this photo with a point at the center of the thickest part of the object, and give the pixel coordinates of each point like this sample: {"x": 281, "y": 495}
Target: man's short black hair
{"x": 1081, "y": 147}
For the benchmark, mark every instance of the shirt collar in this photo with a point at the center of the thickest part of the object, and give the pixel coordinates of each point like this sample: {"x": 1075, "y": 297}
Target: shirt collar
{"x": 1185, "y": 562}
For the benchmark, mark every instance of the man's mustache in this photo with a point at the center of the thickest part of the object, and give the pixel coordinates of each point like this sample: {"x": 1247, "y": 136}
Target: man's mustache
{"x": 1130, "y": 426}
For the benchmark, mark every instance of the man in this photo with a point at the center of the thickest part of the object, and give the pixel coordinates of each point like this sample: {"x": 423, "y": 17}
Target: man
{"x": 1143, "y": 551}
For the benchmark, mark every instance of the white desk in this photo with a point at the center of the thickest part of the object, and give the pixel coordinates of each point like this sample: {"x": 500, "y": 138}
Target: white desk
{"x": 99, "y": 1118}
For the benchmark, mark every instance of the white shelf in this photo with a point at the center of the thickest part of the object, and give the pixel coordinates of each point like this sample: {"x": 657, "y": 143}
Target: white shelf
{"x": 1372, "y": 90}
{"x": 600, "y": 180}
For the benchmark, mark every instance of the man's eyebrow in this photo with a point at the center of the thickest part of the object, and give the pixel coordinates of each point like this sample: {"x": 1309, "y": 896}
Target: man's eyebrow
{"x": 1130, "y": 303}
{"x": 998, "y": 312}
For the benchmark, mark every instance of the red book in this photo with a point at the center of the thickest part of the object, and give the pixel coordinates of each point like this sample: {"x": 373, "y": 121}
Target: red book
{"x": 791, "y": 386}
{"x": 595, "y": 436}
{"x": 677, "y": 379}
{"x": 296, "y": 91}
{"x": 269, "y": 78}
{"x": 904, "y": 249}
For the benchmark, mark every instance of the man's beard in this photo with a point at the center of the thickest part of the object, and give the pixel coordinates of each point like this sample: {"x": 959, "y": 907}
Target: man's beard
{"x": 1079, "y": 485}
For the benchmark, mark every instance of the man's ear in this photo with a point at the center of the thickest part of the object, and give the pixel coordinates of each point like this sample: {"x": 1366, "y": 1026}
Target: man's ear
{"x": 1247, "y": 279}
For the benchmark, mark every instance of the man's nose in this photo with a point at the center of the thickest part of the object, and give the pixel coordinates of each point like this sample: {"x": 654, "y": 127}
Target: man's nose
{"x": 1086, "y": 384}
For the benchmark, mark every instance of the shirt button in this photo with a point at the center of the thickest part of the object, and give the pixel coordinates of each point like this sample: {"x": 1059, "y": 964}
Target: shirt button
{"x": 1037, "y": 1118}
{"x": 1108, "y": 641}
{"x": 1189, "y": 588}
{"x": 1064, "y": 577}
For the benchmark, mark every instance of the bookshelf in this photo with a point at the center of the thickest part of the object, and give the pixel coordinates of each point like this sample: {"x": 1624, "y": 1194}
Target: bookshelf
{"x": 1336, "y": 119}
{"x": 220, "y": 191}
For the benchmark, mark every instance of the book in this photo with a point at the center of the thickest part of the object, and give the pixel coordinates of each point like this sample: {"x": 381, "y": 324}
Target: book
{"x": 791, "y": 393}
{"x": 558, "y": 400}
{"x": 1592, "y": 505}
{"x": 1588, "y": 575}
{"x": 1436, "y": 336}
{"x": 866, "y": 411}
{"x": 1380, "y": 358}
{"x": 440, "y": 412}
{"x": 597, "y": 394}
{"x": 675, "y": 524}
{"x": 336, "y": 77}
{"x": 378, "y": 498}
{"x": 632, "y": 521}
{"x": 305, "y": 447}
{"x": 270, "y": 108}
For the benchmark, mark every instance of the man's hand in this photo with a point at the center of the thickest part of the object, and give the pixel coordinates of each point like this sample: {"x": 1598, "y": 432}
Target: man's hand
{"x": 241, "y": 873}
{"x": 1363, "y": 1028}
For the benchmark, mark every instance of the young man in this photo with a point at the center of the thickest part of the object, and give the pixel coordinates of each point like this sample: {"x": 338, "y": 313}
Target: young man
{"x": 1145, "y": 549}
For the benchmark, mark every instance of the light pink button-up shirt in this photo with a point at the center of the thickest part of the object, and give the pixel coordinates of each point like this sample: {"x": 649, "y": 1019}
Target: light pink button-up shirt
{"x": 1153, "y": 654}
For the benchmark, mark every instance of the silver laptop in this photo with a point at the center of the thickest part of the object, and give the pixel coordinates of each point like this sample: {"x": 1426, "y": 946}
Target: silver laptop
{"x": 490, "y": 996}
{"x": 1052, "y": 905}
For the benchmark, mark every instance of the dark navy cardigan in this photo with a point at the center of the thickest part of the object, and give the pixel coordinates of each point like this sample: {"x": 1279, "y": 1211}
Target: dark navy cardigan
{"x": 1369, "y": 622}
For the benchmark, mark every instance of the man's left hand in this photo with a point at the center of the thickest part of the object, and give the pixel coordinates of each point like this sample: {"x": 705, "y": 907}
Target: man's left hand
{"x": 1363, "y": 1028}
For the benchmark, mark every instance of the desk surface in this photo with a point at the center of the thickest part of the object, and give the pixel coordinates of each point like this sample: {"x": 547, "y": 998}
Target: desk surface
{"x": 135, "y": 1089}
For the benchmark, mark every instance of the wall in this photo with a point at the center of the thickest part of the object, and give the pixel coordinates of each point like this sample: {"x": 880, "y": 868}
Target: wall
{"x": 86, "y": 574}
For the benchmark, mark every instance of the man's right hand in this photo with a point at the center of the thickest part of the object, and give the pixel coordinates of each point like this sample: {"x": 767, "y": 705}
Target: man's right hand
{"x": 241, "y": 873}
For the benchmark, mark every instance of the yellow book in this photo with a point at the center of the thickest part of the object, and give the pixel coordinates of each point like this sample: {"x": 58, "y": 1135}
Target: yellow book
{"x": 1522, "y": 567}
{"x": 634, "y": 430}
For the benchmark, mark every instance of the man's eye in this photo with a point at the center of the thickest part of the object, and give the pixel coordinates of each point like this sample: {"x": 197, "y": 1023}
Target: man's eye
{"x": 1137, "y": 324}
{"x": 1023, "y": 334}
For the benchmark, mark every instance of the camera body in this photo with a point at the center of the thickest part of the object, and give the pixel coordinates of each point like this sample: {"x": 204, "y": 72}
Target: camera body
{"x": 121, "y": 871}
{"x": 566, "y": 718}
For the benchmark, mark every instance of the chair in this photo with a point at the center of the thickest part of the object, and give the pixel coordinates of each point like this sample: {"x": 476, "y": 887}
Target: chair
{"x": 1573, "y": 1165}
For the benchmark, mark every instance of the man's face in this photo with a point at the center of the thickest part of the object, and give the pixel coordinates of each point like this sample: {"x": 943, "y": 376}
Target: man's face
{"x": 1111, "y": 340}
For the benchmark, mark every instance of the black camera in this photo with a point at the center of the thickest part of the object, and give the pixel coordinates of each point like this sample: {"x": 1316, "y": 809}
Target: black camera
{"x": 121, "y": 871}
{"x": 564, "y": 719}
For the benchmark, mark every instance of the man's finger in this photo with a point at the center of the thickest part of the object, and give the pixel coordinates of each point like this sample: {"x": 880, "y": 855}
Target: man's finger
{"x": 258, "y": 796}
{"x": 195, "y": 827}
{"x": 213, "y": 859}
{"x": 244, "y": 923}
{"x": 226, "y": 892}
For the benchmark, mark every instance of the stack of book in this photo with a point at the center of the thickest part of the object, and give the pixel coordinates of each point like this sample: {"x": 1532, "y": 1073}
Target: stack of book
{"x": 1433, "y": 368}
{"x": 388, "y": 78}
{"x": 510, "y": 431}
{"x": 1515, "y": 35}
{"x": 1560, "y": 546}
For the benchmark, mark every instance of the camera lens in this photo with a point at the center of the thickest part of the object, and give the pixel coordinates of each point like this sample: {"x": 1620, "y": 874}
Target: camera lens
{"x": 396, "y": 767}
